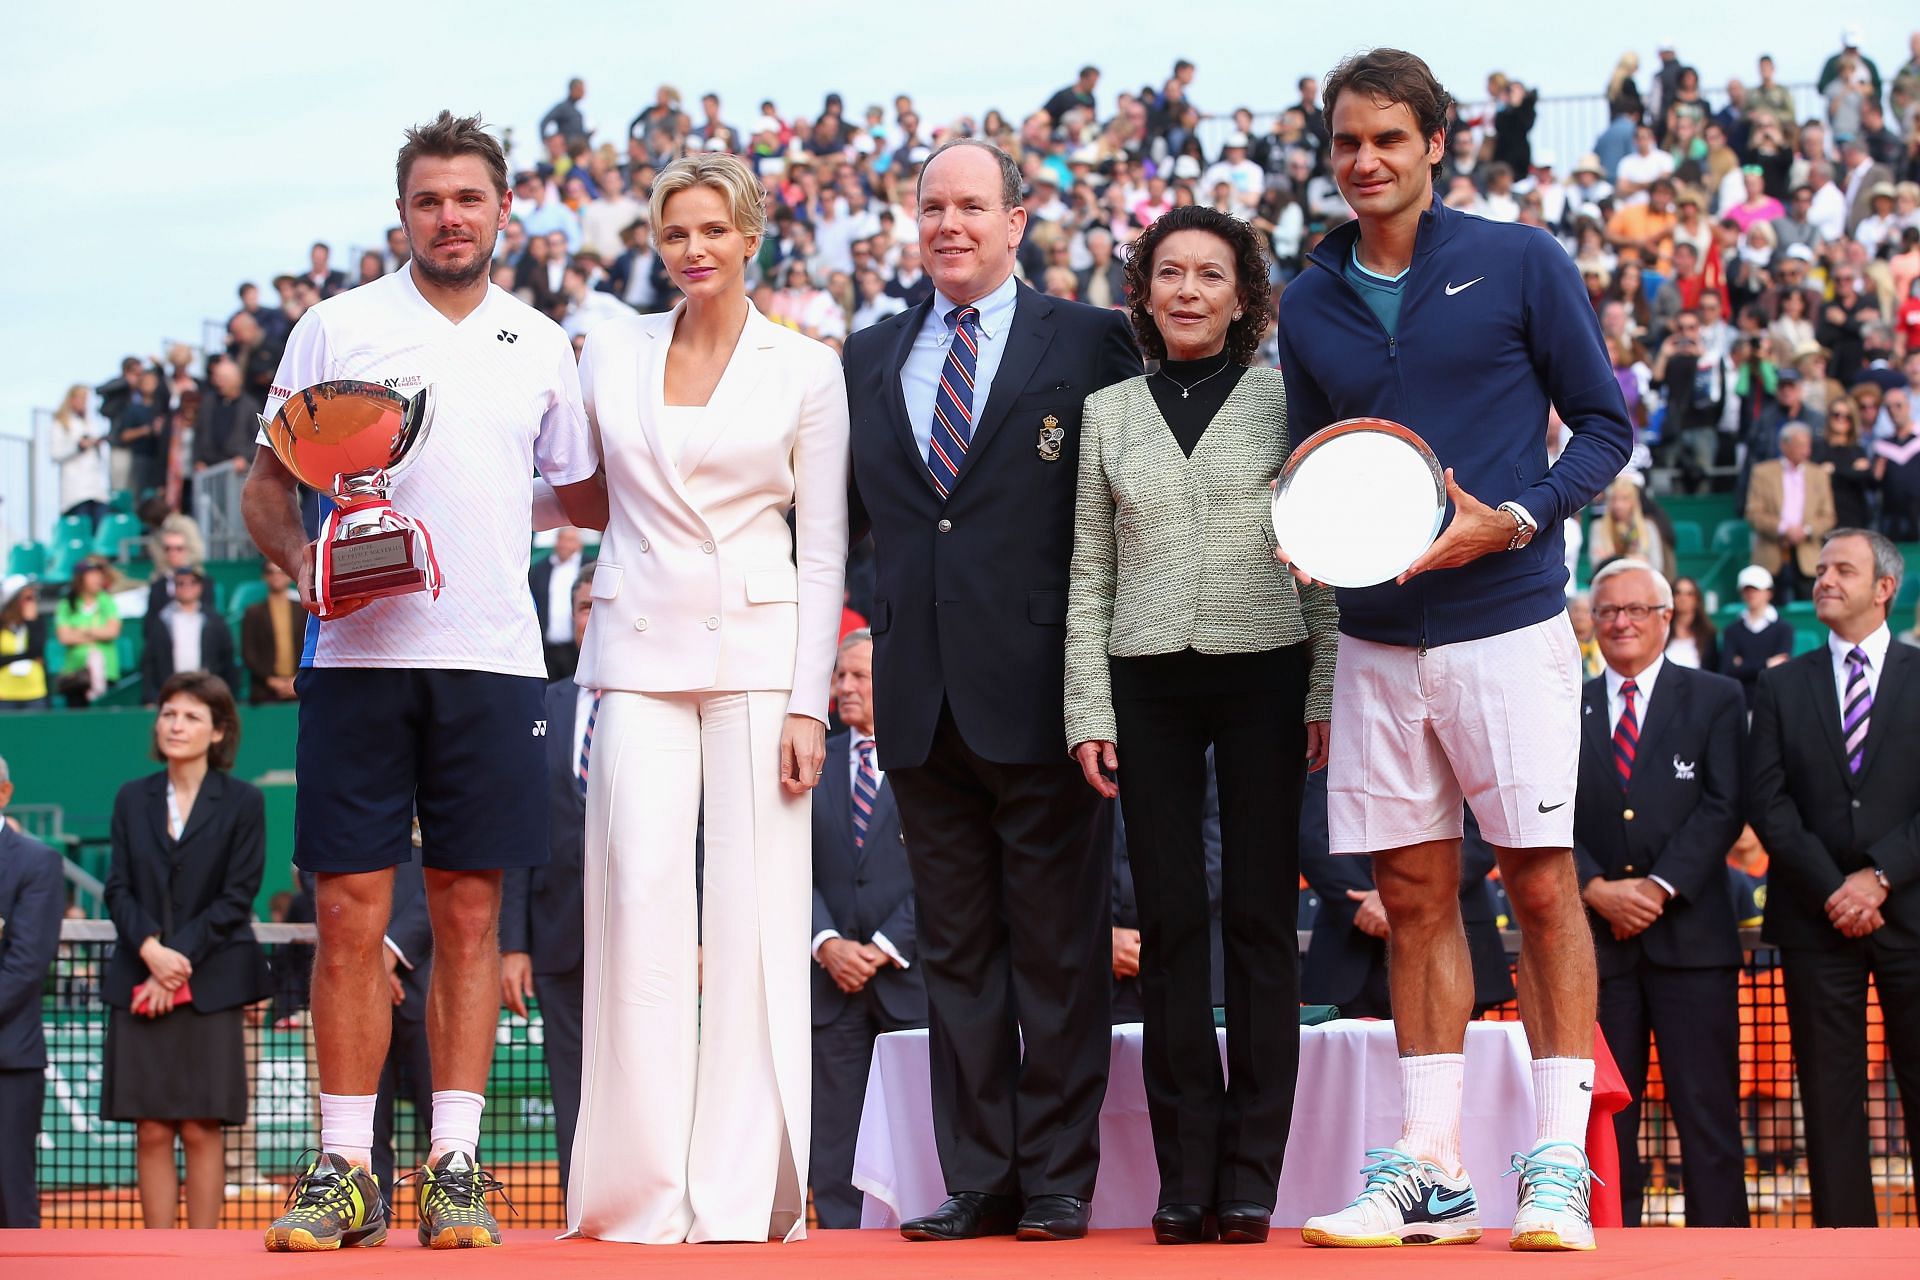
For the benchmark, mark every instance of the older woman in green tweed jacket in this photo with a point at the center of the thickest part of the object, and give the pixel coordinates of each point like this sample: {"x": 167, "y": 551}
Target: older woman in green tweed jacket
{"x": 1184, "y": 633}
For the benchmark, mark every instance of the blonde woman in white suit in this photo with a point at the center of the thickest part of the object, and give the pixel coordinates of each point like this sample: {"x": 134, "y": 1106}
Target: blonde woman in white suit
{"x": 712, "y": 644}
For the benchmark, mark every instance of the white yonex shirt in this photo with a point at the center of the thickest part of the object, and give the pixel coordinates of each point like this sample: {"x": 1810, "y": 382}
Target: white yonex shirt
{"x": 506, "y": 398}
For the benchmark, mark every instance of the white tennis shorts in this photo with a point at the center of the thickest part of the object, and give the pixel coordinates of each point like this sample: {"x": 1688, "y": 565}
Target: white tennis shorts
{"x": 1494, "y": 722}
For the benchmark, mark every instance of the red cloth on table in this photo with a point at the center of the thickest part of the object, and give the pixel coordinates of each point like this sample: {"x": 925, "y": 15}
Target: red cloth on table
{"x": 1603, "y": 1148}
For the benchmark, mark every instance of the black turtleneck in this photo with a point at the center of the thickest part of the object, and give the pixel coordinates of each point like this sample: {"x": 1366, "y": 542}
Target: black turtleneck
{"x": 1208, "y": 382}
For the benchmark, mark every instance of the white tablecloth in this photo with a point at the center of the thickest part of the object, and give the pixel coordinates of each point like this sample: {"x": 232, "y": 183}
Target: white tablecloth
{"x": 1348, "y": 1100}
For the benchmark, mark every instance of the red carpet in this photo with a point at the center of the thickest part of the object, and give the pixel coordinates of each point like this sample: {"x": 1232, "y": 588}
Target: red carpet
{"x": 842, "y": 1255}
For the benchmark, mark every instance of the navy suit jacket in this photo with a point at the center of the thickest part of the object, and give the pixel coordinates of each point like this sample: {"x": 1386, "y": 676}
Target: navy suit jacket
{"x": 195, "y": 894}
{"x": 864, "y": 891}
{"x": 542, "y": 911}
{"x": 1686, "y": 814}
{"x": 1818, "y": 820}
{"x": 540, "y": 578}
{"x": 32, "y": 901}
{"x": 1341, "y": 957}
{"x": 970, "y": 602}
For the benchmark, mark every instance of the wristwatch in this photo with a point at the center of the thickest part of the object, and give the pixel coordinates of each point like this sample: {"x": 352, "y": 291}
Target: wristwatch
{"x": 1880, "y": 874}
{"x": 1523, "y": 528}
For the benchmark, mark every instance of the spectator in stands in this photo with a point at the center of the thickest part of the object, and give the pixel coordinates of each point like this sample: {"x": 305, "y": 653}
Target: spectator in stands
{"x": 143, "y": 433}
{"x": 1692, "y": 640}
{"x": 1657, "y": 809}
{"x": 1623, "y": 529}
{"x": 1580, "y": 618}
{"x": 587, "y": 308}
{"x": 541, "y": 910}
{"x": 1761, "y": 638}
{"x": 189, "y": 849}
{"x": 32, "y": 899}
{"x": 605, "y": 219}
{"x": 23, "y": 648}
{"x": 1830, "y": 793}
{"x": 77, "y": 443}
{"x": 552, "y": 578}
{"x": 564, "y": 119}
{"x": 373, "y": 265}
{"x": 87, "y": 624}
{"x": 1636, "y": 173}
{"x": 326, "y": 281}
{"x": 1896, "y": 468}
{"x": 1790, "y": 507}
{"x": 186, "y": 635}
{"x": 224, "y": 434}
{"x": 1078, "y": 95}
{"x": 256, "y": 355}
{"x": 1512, "y": 123}
{"x": 864, "y": 944}
{"x": 1846, "y": 461}
{"x": 175, "y": 546}
{"x": 272, "y": 633}
{"x": 638, "y": 277}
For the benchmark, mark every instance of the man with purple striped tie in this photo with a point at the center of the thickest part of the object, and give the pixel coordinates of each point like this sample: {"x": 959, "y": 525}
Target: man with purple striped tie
{"x": 1831, "y": 794}
{"x": 866, "y": 981}
{"x": 965, "y": 432}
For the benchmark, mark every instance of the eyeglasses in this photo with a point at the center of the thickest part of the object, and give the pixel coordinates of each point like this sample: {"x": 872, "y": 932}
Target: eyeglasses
{"x": 1637, "y": 612}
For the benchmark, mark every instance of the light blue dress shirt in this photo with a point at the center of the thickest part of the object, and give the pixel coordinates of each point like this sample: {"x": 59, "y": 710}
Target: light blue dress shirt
{"x": 920, "y": 375}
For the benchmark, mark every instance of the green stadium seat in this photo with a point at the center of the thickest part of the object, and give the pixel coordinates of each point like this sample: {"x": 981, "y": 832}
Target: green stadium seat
{"x": 122, "y": 501}
{"x": 1688, "y": 538}
{"x": 1733, "y": 535}
{"x": 66, "y": 554}
{"x": 67, "y": 527}
{"x": 29, "y": 558}
{"x": 119, "y": 537}
{"x": 243, "y": 597}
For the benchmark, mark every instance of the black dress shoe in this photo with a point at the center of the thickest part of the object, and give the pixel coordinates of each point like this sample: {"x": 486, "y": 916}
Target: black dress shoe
{"x": 1053, "y": 1218}
{"x": 965, "y": 1216}
{"x": 1244, "y": 1222}
{"x": 1184, "y": 1224}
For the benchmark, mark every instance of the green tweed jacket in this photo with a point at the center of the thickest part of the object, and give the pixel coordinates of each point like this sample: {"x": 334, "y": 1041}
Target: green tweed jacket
{"x": 1172, "y": 552}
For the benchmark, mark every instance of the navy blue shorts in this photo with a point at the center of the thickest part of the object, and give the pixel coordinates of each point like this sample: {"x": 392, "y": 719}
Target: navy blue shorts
{"x": 464, "y": 749}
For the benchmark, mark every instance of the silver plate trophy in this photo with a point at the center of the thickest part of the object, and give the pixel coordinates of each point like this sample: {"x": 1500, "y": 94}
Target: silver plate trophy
{"x": 348, "y": 440}
{"x": 1358, "y": 502}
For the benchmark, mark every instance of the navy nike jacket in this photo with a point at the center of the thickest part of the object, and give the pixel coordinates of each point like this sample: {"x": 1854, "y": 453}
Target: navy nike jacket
{"x": 1494, "y": 328}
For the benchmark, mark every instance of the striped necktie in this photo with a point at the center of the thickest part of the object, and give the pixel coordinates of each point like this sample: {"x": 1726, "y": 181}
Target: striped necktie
{"x": 1856, "y": 709}
{"x": 953, "y": 400}
{"x": 866, "y": 786}
{"x": 1626, "y": 735}
{"x": 586, "y": 741}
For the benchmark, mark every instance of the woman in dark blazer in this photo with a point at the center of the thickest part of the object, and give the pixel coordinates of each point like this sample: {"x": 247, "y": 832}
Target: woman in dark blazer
{"x": 1183, "y": 632}
{"x": 189, "y": 846}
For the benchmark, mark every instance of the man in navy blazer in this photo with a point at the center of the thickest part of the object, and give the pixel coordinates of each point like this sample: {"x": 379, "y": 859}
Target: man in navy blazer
{"x": 542, "y": 914}
{"x": 865, "y": 980}
{"x": 965, "y": 426}
{"x": 1346, "y": 962}
{"x": 1658, "y": 807}
{"x": 32, "y": 900}
{"x": 1831, "y": 794}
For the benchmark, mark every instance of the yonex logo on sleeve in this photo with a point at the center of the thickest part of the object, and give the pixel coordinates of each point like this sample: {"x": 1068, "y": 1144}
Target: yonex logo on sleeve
{"x": 504, "y": 336}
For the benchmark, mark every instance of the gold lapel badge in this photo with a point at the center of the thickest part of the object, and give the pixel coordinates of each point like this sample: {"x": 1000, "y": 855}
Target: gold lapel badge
{"x": 1053, "y": 437}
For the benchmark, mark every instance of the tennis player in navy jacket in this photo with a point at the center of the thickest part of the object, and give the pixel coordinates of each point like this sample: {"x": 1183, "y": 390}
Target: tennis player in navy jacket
{"x": 1460, "y": 680}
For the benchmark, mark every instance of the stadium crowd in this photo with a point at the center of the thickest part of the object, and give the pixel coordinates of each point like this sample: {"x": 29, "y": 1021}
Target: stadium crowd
{"x": 1755, "y": 269}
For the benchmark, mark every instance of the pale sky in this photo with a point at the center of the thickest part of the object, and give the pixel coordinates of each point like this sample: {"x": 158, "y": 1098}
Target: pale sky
{"x": 161, "y": 154}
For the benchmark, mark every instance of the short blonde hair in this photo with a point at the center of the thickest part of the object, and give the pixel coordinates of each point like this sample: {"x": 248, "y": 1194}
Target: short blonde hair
{"x": 727, "y": 174}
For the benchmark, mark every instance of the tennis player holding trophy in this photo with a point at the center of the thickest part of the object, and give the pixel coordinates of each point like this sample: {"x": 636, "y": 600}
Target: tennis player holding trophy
{"x": 1458, "y": 676}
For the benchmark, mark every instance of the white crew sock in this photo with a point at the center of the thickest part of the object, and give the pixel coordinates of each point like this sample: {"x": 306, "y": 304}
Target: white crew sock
{"x": 346, "y": 1126}
{"x": 1431, "y": 1086}
{"x": 1562, "y": 1097}
{"x": 456, "y": 1123}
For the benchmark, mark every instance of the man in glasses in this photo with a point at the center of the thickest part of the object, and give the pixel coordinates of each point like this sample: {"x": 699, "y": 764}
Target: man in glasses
{"x": 1657, "y": 808}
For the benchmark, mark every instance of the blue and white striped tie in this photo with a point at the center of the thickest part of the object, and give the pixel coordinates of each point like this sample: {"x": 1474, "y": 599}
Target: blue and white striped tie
{"x": 953, "y": 400}
{"x": 866, "y": 787}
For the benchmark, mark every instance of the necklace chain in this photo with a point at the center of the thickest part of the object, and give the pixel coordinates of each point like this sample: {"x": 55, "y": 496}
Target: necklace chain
{"x": 1187, "y": 388}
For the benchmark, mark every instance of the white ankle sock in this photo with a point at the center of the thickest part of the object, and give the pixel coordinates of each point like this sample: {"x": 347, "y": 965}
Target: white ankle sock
{"x": 1562, "y": 1097}
{"x": 456, "y": 1123}
{"x": 346, "y": 1126}
{"x": 1431, "y": 1085}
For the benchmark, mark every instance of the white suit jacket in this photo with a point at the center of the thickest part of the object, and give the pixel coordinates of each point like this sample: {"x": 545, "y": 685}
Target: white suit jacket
{"x": 700, "y": 584}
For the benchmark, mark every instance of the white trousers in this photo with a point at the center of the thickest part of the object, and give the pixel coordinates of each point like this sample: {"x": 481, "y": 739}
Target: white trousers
{"x": 695, "y": 1099}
